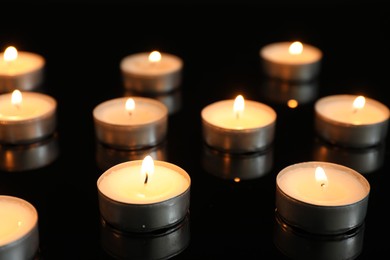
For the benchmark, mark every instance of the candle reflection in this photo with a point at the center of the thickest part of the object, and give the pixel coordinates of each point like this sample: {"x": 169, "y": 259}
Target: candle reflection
{"x": 290, "y": 93}
{"x": 363, "y": 160}
{"x": 237, "y": 167}
{"x": 16, "y": 158}
{"x": 106, "y": 156}
{"x": 163, "y": 244}
{"x": 297, "y": 244}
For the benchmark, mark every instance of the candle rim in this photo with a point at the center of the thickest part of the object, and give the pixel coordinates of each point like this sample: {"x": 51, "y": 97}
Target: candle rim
{"x": 168, "y": 165}
{"x": 382, "y": 107}
{"x": 162, "y": 106}
{"x": 248, "y": 102}
{"x": 141, "y": 55}
{"x": 39, "y": 58}
{"x": 34, "y": 222}
{"x": 263, "y": 53}
{"x": 326, "y": 165}
{"x": 49, "y": 99}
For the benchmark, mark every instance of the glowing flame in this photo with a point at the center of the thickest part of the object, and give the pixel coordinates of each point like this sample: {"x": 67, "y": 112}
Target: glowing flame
{"x": 321, "y": 176}
{"x": 239, "y": 105}
{"x": 16, "y": 98}
{"x": 295, "y": 48}
{"x": 359, "y": 103}
{"x": 292, "y": 103}
{"x": 154, "y": 56}
{"x": 130, "y": 105}
{"x": 10, "y": 54}
{"x": 147, "y": 167}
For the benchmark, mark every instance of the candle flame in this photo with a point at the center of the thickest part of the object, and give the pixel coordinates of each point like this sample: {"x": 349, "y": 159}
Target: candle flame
{"x": 295, "y": 48}
{"x": 239, "y": 105}
{"x": 16, "y": 98}
{"x": 147, "y": 167}
{"x": 10, "y": 54}
{"x": 292, "y": 103}
{"x": 130, "y": 105}
{"x": 321, "y": 176}
{"x": 358, "y": 103}
{"x": 154, "y": 56}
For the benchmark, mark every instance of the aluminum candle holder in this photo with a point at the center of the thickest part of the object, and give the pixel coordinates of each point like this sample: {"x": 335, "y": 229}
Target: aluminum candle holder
{"x": 24, "y": 242}
{"x": 141, "y": 75}
{"x": 25, "y": 73}
{"x": 277, "y": 62}
{"x": 116, "y": 128}
{"x": 140, "y": 216}
{"x": 338, "y": 123}
{"x": 162, "y": 244}
{"x": 30, "y": 126}
{"x": 300, "y": 245}
{"x": 332, "y": 206}
{"x": 253, "y": 131}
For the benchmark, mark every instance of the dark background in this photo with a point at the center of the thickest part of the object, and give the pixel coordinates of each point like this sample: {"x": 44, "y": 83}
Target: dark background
{"x": 219, "y": 44}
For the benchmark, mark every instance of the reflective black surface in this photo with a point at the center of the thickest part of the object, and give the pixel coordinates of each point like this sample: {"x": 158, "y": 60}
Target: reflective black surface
{"x": 219, "y": 45}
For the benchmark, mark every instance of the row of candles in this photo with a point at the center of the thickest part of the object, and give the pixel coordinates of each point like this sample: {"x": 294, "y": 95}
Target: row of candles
{"x": 148, "y": 195}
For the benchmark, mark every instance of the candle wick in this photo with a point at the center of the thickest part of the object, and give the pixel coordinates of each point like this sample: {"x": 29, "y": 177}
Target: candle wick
{"x": 146, "y": 178}
{"x": 130, "y": 113}
{"x": 322, "y": 184}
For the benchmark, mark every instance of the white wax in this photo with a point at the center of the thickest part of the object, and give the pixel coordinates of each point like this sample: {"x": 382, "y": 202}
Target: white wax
{"x": 344, "y": 186}
{"x": 17, "y": 218}
{"x": 340, "y": 108}
{"x": 147, "y": 110}
{"x": 125, "y": 183}
{"x": 25, "y": 62}
{"x": 255, "y": 115}
{"x": 139, "y": 64}
{"x": 279, "y": 53}
{"x": 33, "y": 105}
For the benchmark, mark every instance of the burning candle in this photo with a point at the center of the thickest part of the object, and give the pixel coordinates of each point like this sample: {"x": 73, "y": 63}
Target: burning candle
{"x": 352, "y": 121}
{"x": 26, "y": 117}
{"x": 19, "y": 236}
{"x": 292, "y": 61}
{"x": 153, "y": 72}
{"x": 238, "y": 125}
{"x": 20, "y": 70}
{"x": 321, "y": 197}
{"x": 144, "y": 195}
{"x": 131, "y": 122}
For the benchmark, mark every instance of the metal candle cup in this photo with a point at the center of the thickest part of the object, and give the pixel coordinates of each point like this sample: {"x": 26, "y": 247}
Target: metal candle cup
{"x": 32, "y": 120}
{"x": 338, "y": 122}
{"x": 331, "y": 205}
{"x": 128, "y": 204}
{"x": 26, "y": 72}
{"x": 146, "y": 126}
{"x": 142, "y": 75}
{"x": 19, "y": 236}
{"x": 278, "y": 62}
{"x": 252, "y": 131}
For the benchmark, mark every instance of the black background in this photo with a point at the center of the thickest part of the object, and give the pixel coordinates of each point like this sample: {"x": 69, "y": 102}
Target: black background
{"x": 219, "y": 44}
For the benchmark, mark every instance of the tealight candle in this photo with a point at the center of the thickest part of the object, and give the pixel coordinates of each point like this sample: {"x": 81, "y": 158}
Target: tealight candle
{"x": 153, "y": 72}
{"x": 321, "y": 197}
{"x": 352, "y": 121}
{"x": 238, "y": 125}
{"x": 131, "y": 122}
{"x": 144, "y": 195}
{"x": 292, "y": 61}
{"x": 26, "y": 117}
{"x": 20, "y": 70}
{"x": 19, "y": 236}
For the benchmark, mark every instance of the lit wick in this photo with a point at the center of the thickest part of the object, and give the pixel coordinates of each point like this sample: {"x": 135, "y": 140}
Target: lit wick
{"x": 238, "y": 106}
{"x": 130, "y": 106}
{"x": 147, "y": 167}
{"x": 321, "y": 176}
{"x": 154, "y": 57}
{"x": 358, "y": 103}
